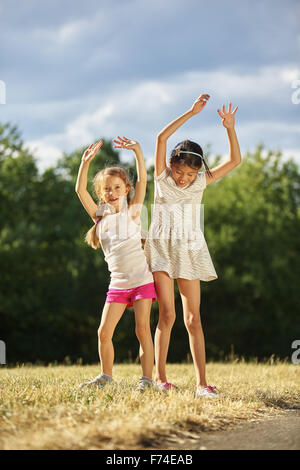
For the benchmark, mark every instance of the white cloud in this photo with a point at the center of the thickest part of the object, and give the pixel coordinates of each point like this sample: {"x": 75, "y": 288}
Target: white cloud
{"x": 70, "y": 31}
{"x": 289, "y": 75}
{"x": 291, "y": 153}
{"x": 65, "y": 33}
{"x": 45, "y": 153}
{"x": 82, "y": 129}
{"x": 261, "y": 83}
{"x": 139, "y": 109}
{"x": 270, "y": 126}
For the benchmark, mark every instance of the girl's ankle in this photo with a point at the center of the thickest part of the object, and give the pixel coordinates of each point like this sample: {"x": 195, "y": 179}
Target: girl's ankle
{"x": 159, "y": 379}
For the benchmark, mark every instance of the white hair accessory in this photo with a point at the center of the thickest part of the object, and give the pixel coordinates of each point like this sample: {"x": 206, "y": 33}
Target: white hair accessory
{"x": 185, "y": 151}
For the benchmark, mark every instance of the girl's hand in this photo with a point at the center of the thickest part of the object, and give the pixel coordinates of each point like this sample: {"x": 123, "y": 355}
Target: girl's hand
{"x": 227, "y": 118}
{"x": 90, "y": 153}
{"x": 199, "y": 104}
{"x": 126, "y": 144}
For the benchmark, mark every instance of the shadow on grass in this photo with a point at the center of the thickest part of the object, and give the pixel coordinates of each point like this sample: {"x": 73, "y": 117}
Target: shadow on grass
{"x": 183, "y": 432}
{"x": 277, "y": 402}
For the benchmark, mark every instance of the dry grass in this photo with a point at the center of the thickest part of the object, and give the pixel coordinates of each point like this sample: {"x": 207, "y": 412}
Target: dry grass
{"x": 42, "y": 407}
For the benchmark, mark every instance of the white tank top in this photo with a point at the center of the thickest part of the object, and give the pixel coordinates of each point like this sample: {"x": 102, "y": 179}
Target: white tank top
{"x": 120, "y": 239}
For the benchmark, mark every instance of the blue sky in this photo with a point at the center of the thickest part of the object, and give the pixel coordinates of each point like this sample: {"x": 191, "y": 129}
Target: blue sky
{"x": 77, "y": 71}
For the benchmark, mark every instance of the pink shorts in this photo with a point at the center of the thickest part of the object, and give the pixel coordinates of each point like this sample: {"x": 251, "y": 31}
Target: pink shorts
{"x": 128, "y": 296}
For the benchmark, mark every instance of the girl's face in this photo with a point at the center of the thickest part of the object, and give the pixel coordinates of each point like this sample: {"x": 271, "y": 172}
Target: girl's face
{"x": 183, "y": 175}
{"x": 113, "y": 191}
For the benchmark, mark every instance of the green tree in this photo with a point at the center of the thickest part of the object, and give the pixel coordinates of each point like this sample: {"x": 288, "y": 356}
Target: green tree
{"x": 51, "y": 282}
{"x": 251, "y": 226}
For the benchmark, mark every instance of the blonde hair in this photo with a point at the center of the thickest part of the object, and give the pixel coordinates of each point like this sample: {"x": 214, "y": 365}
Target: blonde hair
{"x": 91, "y": 238}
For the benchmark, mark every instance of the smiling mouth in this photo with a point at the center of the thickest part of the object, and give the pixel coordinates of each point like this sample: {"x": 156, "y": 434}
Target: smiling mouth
{"x": 113, "y": 199}
{"x": 181, "y": 183}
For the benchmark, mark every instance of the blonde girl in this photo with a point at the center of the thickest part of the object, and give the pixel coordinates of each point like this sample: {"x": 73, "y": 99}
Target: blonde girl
{"x": 117, "y": 229}
{"x": 176, "y": 247}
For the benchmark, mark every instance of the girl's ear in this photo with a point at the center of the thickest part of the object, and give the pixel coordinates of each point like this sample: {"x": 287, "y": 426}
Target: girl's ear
{"x": 170, "y": 161}
{"x": 127, "y": 189}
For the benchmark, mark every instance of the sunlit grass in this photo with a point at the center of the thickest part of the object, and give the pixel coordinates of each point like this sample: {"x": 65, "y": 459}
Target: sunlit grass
{"x": 43, "y": 408}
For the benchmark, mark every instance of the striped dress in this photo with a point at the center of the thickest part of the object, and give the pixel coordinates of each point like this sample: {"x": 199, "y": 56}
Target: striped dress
{"x": 175, "y": 242}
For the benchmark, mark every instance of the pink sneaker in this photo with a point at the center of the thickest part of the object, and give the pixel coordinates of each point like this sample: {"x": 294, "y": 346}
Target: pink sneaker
{"x": 166, "y": 386}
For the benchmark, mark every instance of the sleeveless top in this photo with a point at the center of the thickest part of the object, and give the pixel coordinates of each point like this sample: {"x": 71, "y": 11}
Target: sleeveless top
{"x": 120, "y": 238}
{"x": 175, "y": 242}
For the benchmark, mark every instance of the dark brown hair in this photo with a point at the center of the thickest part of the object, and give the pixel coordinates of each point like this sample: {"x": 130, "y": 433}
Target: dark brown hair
{"x": 180, "y": 155}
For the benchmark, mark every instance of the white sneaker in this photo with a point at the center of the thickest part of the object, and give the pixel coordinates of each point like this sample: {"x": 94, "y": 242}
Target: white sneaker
{"x": 207, "y": 392}
{"x": 101, "y": 380}
{"x": 145, "y": 383}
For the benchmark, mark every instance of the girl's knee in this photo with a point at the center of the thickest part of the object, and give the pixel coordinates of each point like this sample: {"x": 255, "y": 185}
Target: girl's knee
{"x": 142, "y": 332}
{"x": 103, "y": 334}
{"x": 166, "y": 318}
{"x": 193, "y": 323}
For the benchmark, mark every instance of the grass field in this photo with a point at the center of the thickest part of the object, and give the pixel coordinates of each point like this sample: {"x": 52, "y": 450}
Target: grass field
{"x": 43, "y": 408}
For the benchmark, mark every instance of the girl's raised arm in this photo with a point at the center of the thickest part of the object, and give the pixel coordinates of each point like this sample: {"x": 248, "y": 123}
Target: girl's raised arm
{"x": 141, "y": 184}
{"x": 235, "y": 158}
{"x": 161, "y": 141}
{"x": 81, "y": 183}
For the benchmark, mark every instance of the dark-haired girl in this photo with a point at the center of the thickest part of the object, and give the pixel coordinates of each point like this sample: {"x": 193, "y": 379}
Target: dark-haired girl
{"x": 176, "y": 247}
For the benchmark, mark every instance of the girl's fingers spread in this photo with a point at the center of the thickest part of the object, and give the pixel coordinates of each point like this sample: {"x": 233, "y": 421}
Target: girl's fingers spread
{"x": 223, "y": 109}
{"x": 229, "y": 108}
{"x": 235, "y": 110}
{"x": 220, "y": 114}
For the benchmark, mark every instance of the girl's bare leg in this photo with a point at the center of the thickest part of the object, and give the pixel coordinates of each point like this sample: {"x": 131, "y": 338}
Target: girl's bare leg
{"x": 112, "y": 312}
{"x": 190, "y": 295}
{"x": 142, "y": 309}
{"x": 164, "y": 286}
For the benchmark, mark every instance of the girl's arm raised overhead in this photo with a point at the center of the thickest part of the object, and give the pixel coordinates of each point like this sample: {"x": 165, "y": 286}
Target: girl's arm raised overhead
{"x": 81, "y": 183}
{"x": 141, "y": 184}
{"x": 234, "y": 149}
{"x": 161, "y": 141}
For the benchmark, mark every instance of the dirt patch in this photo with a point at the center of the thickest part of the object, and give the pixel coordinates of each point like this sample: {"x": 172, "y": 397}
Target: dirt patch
{"x": 272, "y": 433}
